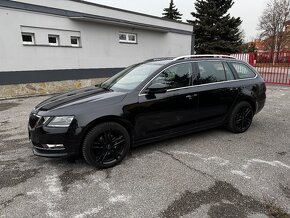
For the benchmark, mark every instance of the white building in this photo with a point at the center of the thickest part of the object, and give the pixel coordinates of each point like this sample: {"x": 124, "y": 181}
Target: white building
{"x": 53, "y": 40}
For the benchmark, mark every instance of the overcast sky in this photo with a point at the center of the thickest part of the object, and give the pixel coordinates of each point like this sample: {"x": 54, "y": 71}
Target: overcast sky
{"x": 248, "y": 10}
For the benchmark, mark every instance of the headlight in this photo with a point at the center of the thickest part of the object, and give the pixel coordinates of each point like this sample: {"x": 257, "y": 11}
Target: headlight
{"x": 63, "y": 121}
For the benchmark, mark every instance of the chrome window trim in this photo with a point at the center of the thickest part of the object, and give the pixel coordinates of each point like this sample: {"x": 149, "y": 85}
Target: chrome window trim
{"x": 188, "y": 87}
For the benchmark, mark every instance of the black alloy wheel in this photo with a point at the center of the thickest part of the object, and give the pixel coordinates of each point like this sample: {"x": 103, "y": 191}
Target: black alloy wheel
{"x": 106, "y": 145}
{"x": 241, "y": 118}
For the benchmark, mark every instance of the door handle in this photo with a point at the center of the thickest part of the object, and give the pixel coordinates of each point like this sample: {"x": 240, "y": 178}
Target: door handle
{"x": 191, "y": 96}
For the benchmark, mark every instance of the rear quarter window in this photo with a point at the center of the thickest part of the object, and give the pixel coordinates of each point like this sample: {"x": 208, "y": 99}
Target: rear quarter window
{"x": 243, "y": 71}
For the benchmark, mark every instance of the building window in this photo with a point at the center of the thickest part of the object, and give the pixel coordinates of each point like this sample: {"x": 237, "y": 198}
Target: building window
{"x": 128, "y": 38}
{"x": 28, "y": 38}
{"x": 75, "y": 41}
{"x": 53, "y": 40}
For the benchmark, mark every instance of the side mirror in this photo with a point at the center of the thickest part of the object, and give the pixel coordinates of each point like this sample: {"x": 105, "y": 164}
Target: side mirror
{"x": 157, "y": 88}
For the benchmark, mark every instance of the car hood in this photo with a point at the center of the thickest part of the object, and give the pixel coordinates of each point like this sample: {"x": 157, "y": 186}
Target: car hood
{"x": 81, "y": 96}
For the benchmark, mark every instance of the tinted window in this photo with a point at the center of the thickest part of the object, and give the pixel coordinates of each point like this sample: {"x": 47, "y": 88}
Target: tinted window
{"x": 243, "y": 71}
{"x": 229, "y": 73}
{"x": 177, "y": 76}
{"x": 210, "y": 71}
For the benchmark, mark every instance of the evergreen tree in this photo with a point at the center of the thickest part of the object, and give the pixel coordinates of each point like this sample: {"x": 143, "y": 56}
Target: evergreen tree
{"x": 172, "y": 13}
{"x": 215, "y": 30}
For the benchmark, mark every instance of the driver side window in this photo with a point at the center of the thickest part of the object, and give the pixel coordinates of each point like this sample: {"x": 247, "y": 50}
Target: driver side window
{"x": 177, "y": 76}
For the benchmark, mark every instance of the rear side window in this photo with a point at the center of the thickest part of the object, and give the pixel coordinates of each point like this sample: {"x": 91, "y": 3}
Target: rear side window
{"x": 210, "y": 72}
{"x": 243, "y": 71}
{"x": 177, "y": 76}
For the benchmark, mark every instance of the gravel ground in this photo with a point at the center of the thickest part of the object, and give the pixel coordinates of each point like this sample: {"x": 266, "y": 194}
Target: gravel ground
{"x": 208, "y": 174}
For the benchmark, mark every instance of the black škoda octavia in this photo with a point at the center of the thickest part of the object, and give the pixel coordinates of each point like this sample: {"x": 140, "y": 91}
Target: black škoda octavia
{"x": 149, "y": 101}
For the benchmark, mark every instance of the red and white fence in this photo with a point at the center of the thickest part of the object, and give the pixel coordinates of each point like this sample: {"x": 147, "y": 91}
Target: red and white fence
{"x": 274, "y": 67}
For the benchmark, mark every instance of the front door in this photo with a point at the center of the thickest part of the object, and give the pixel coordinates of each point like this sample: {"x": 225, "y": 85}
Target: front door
{"x": 170, "y": 112}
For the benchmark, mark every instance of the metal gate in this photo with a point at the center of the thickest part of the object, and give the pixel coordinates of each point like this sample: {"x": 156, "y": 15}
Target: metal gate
{"x": 274, "y": 67}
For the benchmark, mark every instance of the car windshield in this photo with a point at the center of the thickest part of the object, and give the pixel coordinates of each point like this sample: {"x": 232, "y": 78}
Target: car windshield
{"x": 131, "y": 77}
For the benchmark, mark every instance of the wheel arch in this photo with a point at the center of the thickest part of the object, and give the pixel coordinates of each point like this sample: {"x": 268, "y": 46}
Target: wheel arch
{"x": 115, "y": 119}
{"x": 250, "y": 100}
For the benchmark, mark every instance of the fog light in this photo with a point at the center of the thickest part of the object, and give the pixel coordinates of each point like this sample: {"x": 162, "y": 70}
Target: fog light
{"x": 54, "y": 146}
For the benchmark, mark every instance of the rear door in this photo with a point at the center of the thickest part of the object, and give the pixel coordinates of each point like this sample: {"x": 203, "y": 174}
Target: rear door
{"x": 217, "y": 92}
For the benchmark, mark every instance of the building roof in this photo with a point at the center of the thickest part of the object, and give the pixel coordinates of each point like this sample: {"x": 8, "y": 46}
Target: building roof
{"x": 260, "y": 45}
{"x": 127, "y": 11}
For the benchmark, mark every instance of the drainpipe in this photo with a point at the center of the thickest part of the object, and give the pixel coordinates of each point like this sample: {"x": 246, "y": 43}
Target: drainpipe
{"x": 193, "y": 44}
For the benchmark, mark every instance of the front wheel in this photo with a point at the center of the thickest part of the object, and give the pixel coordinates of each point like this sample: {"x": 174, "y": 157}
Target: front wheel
{"x": 241, "y": 118}
{"x": 106, "y": 145}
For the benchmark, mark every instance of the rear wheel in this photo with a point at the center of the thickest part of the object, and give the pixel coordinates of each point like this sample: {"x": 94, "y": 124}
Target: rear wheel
{"x": 106, "y": 145}
{"x": 241, "y": 118}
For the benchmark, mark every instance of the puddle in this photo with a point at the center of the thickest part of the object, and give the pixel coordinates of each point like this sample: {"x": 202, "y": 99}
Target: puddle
{"x": 11, "y": 178}
{"x": 225, "y": 201}
{"x": 69, "y": 177}
{"x": 12, "y": 173}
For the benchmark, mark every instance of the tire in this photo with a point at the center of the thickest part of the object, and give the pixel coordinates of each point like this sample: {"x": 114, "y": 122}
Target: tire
{"x": 241, "y": 118}
{"x": 106, "y": 145}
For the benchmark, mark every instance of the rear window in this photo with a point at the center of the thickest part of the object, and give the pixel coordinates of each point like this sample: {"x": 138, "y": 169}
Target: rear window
{"x": 243, "y": 71}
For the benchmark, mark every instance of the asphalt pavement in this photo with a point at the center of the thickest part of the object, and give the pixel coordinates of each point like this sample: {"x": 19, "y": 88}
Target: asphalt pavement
{"x": 213, "y": 173}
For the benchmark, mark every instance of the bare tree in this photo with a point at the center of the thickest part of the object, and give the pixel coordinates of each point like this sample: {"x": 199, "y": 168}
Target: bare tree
{"x": 273, "y": 24}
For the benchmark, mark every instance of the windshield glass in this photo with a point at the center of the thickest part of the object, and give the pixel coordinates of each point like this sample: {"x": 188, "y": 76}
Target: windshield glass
{"x": 131, "y": 77}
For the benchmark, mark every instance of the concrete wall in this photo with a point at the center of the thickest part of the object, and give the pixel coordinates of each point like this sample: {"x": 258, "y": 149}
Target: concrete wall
{"x": 100, "y": 43}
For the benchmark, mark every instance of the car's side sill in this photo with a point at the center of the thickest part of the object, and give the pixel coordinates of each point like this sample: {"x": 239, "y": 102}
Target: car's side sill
{"x": 173, "y": 135}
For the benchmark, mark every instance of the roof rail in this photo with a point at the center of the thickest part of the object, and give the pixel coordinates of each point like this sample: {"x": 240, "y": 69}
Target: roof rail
{"x": 159, "y": 59}
{"x": 203, "y": 56}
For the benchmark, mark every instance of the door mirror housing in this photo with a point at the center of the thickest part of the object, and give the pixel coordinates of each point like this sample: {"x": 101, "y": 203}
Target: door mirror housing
{"x": 157, "y": 88}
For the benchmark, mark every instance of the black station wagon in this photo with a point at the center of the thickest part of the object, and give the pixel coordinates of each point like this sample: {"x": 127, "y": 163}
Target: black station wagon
{"x": 146, "y": 102}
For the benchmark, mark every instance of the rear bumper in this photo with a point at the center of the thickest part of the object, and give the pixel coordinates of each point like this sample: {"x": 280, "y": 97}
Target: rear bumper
{"x": 260, "y": 104}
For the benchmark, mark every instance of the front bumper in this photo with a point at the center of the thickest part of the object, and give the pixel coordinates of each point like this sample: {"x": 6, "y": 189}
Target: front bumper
{"x": 52, "y": 153}
{"x": 42, "y": 136}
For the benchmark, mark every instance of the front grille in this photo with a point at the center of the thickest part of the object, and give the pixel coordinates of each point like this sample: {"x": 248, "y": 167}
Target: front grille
{"x": 33, "y": 119}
